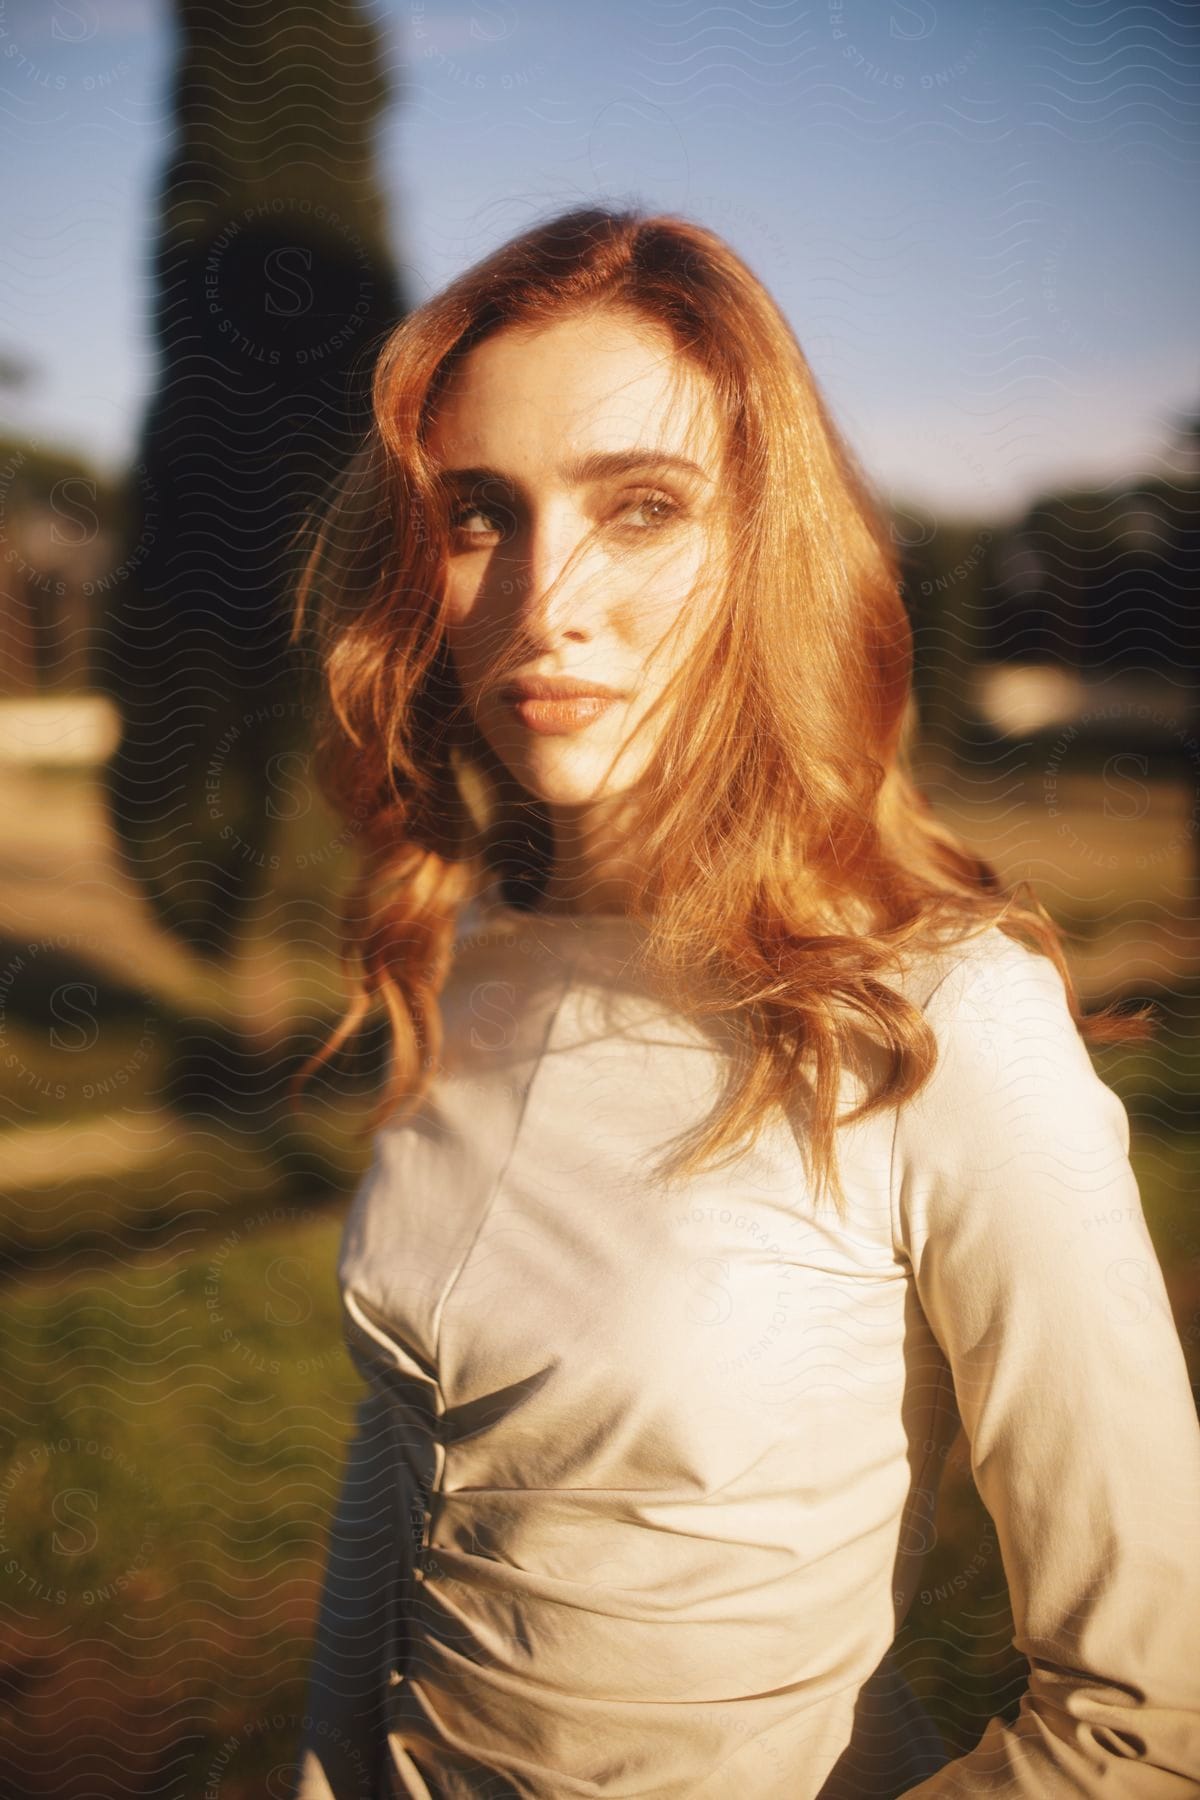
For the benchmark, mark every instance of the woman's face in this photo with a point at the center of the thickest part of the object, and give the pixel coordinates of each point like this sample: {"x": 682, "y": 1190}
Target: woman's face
{"x": 578, "y": 548}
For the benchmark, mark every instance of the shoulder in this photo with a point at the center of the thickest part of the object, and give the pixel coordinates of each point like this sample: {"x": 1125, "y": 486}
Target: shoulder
{"x": 971, "y": 966}
{"x": 1014, "y": 1112}
{"x": 996, "y": 1007}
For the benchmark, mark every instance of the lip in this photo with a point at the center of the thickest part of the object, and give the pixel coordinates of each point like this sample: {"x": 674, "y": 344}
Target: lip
{"x": 556, "y": 687}
{"x": 557, "y": 718}
{"x": 557, "y": 705}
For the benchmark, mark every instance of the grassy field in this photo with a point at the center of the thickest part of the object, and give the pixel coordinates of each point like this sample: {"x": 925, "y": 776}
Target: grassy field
{"x": 176, "y": 1451}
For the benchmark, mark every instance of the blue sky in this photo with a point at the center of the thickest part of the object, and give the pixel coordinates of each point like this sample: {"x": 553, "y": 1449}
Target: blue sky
{"x": 979, "y": 218}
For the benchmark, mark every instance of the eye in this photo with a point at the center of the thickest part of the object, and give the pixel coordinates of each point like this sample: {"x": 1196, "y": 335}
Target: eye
{"x": 495, "y": 522}
{"x": 660, "y": 510}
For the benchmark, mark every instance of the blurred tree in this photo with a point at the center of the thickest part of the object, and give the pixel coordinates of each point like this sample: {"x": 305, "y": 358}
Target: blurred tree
{"x": 1093, "y": 581}
{"x": 941, "y": 564}
{"x": 1101, "y": 579}
{"x": 274, "y": 287}
{"x": 16, "y": 371}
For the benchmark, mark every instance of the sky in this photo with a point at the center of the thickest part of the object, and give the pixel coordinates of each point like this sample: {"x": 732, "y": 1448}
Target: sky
{"x": 978, "y": 218}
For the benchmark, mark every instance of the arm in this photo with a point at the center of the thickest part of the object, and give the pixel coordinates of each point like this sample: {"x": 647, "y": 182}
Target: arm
{"x": 1017, "y": 1207}
{"x": 343, "y": 1721}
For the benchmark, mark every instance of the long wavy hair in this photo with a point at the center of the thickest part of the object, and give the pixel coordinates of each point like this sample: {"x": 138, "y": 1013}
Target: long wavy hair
{"x": 791, "y": 861}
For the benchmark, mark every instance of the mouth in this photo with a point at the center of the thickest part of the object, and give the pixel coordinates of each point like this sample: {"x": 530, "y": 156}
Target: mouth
{"x": 556, "y": 705}
{"x": 557, "y": 718}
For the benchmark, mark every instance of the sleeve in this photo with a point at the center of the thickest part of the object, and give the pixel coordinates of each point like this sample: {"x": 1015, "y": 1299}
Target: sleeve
{"x": 1019, "y": 1214}
{"x": 342, "y": 1726}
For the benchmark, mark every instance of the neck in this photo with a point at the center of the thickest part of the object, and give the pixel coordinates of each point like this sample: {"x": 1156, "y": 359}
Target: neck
{"x": 593, "y": 869}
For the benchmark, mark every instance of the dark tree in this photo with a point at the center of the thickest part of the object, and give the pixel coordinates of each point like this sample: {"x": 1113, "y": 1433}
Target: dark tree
{"x": 273, "y": 287}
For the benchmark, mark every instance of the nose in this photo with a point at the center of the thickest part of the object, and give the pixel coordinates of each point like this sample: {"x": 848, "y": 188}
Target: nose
{"x": 553, "y": 556}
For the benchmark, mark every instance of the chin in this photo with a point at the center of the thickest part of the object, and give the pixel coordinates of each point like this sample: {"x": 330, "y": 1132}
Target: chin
{"x": 562, "y": 773}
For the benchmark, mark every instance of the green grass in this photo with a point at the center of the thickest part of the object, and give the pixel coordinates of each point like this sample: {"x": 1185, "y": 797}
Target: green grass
{"x": 174, "y": 1434}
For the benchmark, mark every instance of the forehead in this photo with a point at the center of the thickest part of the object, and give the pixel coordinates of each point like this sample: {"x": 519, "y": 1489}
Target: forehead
{"x": 600, "y": 381}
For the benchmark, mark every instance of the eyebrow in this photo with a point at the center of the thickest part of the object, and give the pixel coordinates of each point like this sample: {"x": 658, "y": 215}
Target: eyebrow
{"x": 596, "y": 466}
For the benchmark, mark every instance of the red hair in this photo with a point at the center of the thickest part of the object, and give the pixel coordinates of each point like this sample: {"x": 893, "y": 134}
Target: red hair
{"x": 790, "y": 858}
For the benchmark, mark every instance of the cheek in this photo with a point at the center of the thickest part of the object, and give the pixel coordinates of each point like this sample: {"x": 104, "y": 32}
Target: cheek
{"x": 669, "y": 601}
{"x": 458, "y": 643}
{"x": 458, "y": 595}
{"x": 462, "y": 616}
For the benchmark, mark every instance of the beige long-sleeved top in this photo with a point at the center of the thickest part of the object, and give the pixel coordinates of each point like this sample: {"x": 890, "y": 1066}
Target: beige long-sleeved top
{"x": 641, "y": 1481}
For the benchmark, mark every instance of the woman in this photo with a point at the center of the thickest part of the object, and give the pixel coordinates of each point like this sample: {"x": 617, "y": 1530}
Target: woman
{"x": 740, "y": 1135}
